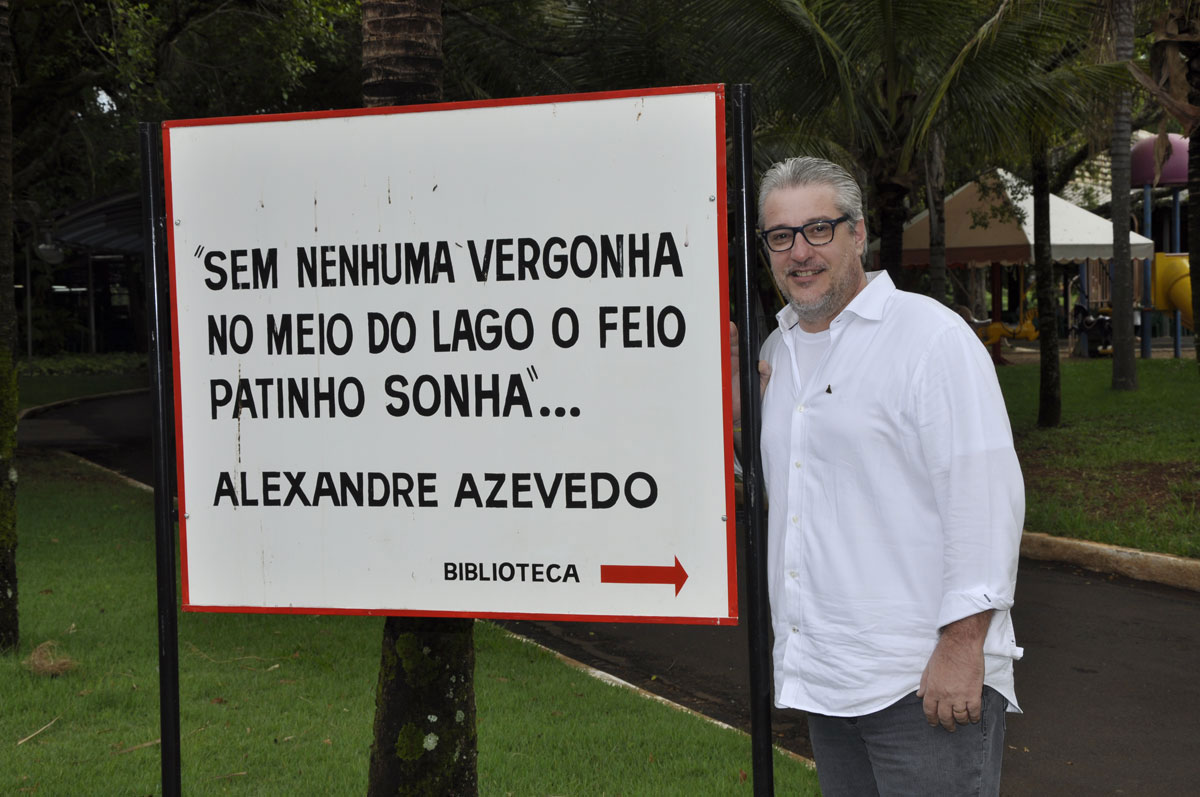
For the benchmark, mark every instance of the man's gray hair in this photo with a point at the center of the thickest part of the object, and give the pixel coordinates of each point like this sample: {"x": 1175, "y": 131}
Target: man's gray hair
{"x": 814, "y": 171}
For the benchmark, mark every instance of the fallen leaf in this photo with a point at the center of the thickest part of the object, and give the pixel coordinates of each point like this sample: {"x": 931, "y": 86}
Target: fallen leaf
{"x": 46, "y": 592}
{"x": 742, "y": 776}
{"x": 327, "y": 741}
{"x": 220, "y": 701}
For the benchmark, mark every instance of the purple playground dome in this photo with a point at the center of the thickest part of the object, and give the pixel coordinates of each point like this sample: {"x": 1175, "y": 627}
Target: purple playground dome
{"x": 1174, "y": 171}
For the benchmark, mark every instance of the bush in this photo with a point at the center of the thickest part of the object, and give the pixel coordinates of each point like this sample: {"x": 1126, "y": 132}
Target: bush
{"x": 60, "y": 364}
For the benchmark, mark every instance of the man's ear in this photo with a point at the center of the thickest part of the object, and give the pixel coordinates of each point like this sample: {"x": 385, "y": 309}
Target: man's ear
{"x": 860, "y": 236}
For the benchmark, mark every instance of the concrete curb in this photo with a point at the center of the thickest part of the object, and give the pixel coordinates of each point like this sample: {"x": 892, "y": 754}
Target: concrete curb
{"x": 613, "y": 680}
{"x": 32, "y": 412}
{"x": 1160, "y": 568}
{"x": 134, "y": 483}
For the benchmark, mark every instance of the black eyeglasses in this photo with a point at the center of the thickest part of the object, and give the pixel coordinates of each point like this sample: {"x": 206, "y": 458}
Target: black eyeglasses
{"x": 816, "y": 233}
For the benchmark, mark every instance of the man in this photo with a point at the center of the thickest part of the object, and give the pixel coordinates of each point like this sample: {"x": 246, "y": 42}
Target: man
{"x": 895, "y": 510}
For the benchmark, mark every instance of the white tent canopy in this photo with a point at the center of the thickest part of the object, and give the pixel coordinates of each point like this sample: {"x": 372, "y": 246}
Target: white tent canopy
{"x": 1075, "y": 234}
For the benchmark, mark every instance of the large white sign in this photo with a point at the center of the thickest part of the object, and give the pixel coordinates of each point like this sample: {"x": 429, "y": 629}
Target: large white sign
{"x": 467, "y": 359}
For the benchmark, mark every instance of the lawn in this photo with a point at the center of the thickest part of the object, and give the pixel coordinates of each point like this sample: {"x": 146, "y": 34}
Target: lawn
{"x": 45, "y": 380}
{"x": 1123, "y": 467}
{"x": 283, "y": 704}
{"x": 278, "y": 704}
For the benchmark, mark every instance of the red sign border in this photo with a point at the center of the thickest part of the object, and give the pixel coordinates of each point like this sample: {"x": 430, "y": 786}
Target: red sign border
{"x": 718, "y": 92}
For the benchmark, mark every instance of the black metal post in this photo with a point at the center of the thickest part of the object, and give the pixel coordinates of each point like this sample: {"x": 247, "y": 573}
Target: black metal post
{"x": 758, "y": 620}
{"x": 164, "y": 521}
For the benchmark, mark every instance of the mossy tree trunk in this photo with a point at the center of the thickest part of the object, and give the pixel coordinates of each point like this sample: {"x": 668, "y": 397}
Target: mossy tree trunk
{"x": 424, "y": 740}
{"x": 9, "y": 629}
{"x": 1124, "y": 375}
{"x": 424, "y": 736}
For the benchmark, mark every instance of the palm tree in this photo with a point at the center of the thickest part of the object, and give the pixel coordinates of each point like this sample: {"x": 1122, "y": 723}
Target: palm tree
{"x": 427, "y": 668}
{"x": 877, "y": 78}
{"x": 1050, "y": 376}
{"x": 1124, "y": 374}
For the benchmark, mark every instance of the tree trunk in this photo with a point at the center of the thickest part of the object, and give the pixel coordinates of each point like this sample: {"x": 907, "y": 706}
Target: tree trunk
{"x": 892, "y": 215}
{"x": 1124, "y": 369}
{"x": 1192, "y": 51}
{"x": 935, "y": 192}
{"x": 1050, "y": 384}
{"x": 424, "y": 733}
{"x": 402, "y": 52}
{"x": 425, "y": 710}
{"x": 9, "y": 627}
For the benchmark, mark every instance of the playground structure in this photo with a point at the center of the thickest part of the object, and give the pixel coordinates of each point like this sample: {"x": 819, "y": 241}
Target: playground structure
{"x": 1171, "y": 284}
{"x": 1170, "y": 291}
{"x": 989, "y": 225}
{"x": 1089, "y": 294}
{"x": 993, "y": 332}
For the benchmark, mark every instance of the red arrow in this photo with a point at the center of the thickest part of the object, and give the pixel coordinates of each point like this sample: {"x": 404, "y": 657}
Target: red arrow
{"x": 644, "y": 574}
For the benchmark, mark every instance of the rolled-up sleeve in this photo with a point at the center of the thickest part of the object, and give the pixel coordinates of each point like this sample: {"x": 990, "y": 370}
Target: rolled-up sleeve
{"x": 967, "y": 445}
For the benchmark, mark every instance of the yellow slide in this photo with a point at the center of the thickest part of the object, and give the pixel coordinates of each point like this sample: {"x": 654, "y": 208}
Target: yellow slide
{"x": 1173, "y": 286}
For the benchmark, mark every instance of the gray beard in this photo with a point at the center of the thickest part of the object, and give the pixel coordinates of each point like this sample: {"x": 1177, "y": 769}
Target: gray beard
{"x": 816, "y": 312}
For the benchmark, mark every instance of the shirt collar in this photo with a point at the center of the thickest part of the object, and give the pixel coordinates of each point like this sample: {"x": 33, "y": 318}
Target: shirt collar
{"x": 868, "y": 304}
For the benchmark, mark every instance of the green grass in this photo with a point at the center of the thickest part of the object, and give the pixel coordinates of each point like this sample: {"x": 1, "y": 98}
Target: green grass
{"x": 36, "y": 391}
{"x": 1123, "y": 467}
{"x": 45, "y": 380}
{"x": 280, "y": 704}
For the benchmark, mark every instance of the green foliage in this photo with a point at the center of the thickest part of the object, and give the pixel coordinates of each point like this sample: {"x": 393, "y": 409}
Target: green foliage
{"x": 282, "y": 704}
{"x": 88, "y": 72}
{"x": 110, "y": 363}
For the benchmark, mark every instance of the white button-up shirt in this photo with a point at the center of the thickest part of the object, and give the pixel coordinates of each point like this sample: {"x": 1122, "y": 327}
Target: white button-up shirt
{"x": 896, "y": 503}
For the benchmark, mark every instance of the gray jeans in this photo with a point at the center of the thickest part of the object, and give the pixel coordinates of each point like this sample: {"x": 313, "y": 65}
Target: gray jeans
{"x": 895, "y": 752}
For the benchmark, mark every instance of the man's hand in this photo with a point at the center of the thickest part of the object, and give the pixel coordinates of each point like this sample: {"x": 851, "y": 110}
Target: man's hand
{"x": 952, "y": 683}
{"x": 735, "y": 360}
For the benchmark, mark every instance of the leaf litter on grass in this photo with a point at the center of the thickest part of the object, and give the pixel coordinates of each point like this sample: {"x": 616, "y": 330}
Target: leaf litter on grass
{"x": 45, "y": 660}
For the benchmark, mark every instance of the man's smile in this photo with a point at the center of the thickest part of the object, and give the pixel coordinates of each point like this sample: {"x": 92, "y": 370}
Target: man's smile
{"x": 803, "y": 272}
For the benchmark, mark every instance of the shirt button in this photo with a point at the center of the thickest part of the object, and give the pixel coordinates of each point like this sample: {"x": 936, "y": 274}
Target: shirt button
{"x": 794, "y": 574}
{"x": 795, "y": 518}
{"x": 795, "y": 630}
{"x": 797, "y": 463}
{"x": 799, "y": 408}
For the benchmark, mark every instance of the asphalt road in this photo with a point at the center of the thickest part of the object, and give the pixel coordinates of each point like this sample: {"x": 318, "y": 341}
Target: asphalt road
{"x": 1109, "y": 685}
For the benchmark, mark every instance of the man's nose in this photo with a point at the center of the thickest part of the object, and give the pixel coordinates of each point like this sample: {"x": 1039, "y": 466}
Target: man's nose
{"x": 801, "y": 248}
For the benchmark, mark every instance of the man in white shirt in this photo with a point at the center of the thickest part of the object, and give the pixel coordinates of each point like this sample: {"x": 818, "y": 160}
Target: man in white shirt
{"x": 895, "y": 510}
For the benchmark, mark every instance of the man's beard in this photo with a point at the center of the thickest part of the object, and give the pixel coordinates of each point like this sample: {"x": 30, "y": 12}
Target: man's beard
{"x": 843, "y": 286}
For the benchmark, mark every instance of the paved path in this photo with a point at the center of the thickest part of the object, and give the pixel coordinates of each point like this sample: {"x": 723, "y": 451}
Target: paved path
{"x": 1110, "y": 682}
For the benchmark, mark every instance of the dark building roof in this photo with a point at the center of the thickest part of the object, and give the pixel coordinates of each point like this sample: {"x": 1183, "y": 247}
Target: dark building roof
{"x": 111, "y": 224}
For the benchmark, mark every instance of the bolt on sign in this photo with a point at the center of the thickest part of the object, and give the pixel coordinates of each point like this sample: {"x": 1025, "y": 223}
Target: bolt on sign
{"x": 456, "y": 360}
